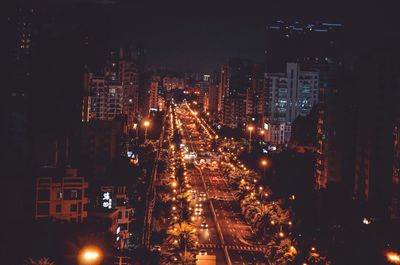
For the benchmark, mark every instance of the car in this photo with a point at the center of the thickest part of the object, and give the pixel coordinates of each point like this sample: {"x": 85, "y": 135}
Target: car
{"x": 204, "y": 224}
{"x": 202, "y": 252}
{"x": 156, "y": 248}
{"x": 199, "y": 205}
{"x": 197, "y": 211}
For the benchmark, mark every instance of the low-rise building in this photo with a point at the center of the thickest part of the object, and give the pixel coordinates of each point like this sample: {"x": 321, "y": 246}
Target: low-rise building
{"x": 61, "y": 195}
{"x": 116, "y": 197}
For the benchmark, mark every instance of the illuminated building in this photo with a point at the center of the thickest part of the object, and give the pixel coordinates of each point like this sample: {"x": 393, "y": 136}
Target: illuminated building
{"x": 234, "y": 111}
{"x": 106, "y": 99}
{"x": 61, "y": 195}
{"x": 278, "y": 134}
{"x": 128, "y": 74}
{"x": 153, "y": 95}
{"x": 223, "y": 87}
{"x": 171, "y": 83}
{"x": 291, "y": 94}
{"x": 212, "y": 97}
{"x": 320, "y": 46}
{"x": 116, "y": 197}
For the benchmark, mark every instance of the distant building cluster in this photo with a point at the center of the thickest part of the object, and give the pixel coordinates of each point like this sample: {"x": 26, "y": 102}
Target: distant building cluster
{"x": 300, "y": 60}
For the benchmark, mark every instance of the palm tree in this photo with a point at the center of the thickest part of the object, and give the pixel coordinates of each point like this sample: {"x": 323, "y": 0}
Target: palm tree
{"x": 262, "y": 219}
{"x": 280, "y": 216}
{"x": 41, "y": 261}
{"x": 315, "y": 258}
{"x": 181, "y": 240}
{"x": 280, "y": 251}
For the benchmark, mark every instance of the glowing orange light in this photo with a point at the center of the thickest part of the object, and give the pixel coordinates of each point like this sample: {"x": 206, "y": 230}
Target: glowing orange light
{"x": 393, "y": 257}
{"x": 89, "y": 255}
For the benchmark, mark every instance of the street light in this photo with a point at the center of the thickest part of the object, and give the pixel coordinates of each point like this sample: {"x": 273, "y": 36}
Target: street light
{"x": 146, "y": 125}
{"x": 250, "y": 128}
{"x": 262, "y": 133}
{"x": 264, "y": 164}
{"x": 90, "y": 255}
{"x": 393, "y": 257}
{"x": 135, "y": 126}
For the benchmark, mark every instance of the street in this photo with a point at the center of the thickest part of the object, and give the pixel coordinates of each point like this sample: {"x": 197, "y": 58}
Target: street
{"x": 234, "y": 232}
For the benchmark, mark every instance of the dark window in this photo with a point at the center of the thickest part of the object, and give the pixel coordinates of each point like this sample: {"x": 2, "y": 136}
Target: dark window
{"x": 73, "y": 208}
{"x": 43, "y": 195}
{"x": 127, "y": 214}
{"x": 58, "y": 208}
{"x": 119, "y": 215}
{"x": 42, "y": 209}
{"x": 123, "y": 227}
{"x": 120, "y": 202}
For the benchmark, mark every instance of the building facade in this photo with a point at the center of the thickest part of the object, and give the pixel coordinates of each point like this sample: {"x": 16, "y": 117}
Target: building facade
{"x": 171, "y": 83}
{"x": 278, "y": 134}
{"x": 153, "y": 95}
{"x": 129, "y": 76}
{"x": 106, "y": 99}
{"x": 116, "y": 197}
{"x": 61, "y": 195}
{"x": 289, "y": 95}
{"x": 101, "y": 142}
{"x": 223, "y": 87}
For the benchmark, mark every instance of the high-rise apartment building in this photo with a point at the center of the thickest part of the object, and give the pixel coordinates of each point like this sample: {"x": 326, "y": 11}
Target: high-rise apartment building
{"x": 223, "y": 87}
{"x": 153, "y": 94}
{"x": 234, "y": 111}
{"x": 101, "y": 142}
{"x": 316, "y": 45}
{"x": 106, "y": 99}
{"x": 378, "y": 97}
{"x": 395, "y": 200}
{"x": 128, "y": 74}
{"x": 310, "y": 44}
{"x": 291, "y": 94}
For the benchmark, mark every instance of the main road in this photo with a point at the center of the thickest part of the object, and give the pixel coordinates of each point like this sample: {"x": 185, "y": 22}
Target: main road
{"x": 228, "y": 234}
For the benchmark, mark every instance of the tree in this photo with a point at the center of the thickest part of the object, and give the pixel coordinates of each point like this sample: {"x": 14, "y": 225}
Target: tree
{"x": 181, "y": 240}
{"x": 281, "y": 251}
{"x": 41, "y": 261}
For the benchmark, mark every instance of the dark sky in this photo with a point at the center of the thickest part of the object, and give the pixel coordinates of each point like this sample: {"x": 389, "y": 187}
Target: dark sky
{"x": 200, "y": 35}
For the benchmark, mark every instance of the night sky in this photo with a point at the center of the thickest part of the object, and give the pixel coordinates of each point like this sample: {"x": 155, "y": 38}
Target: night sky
{"x": 200, "y": 35}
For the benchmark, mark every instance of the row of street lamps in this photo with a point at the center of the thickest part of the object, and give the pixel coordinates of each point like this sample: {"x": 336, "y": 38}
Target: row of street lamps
{"x": 251, "y": 128}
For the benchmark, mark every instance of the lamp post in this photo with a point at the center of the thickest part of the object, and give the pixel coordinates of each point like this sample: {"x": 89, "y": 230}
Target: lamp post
{"x": 135, "y": 126}
{"x": 90, "y": 255}
{"x": 264, "y": 164}
{"x": 146, "y": 125}
{"x": 393, "y": 257}
{"x": 262, "y": 133}
{"x": 250, "y": 128}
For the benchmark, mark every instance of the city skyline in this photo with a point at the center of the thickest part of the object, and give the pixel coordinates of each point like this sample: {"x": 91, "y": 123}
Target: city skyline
{"x": 253, "y": 133}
